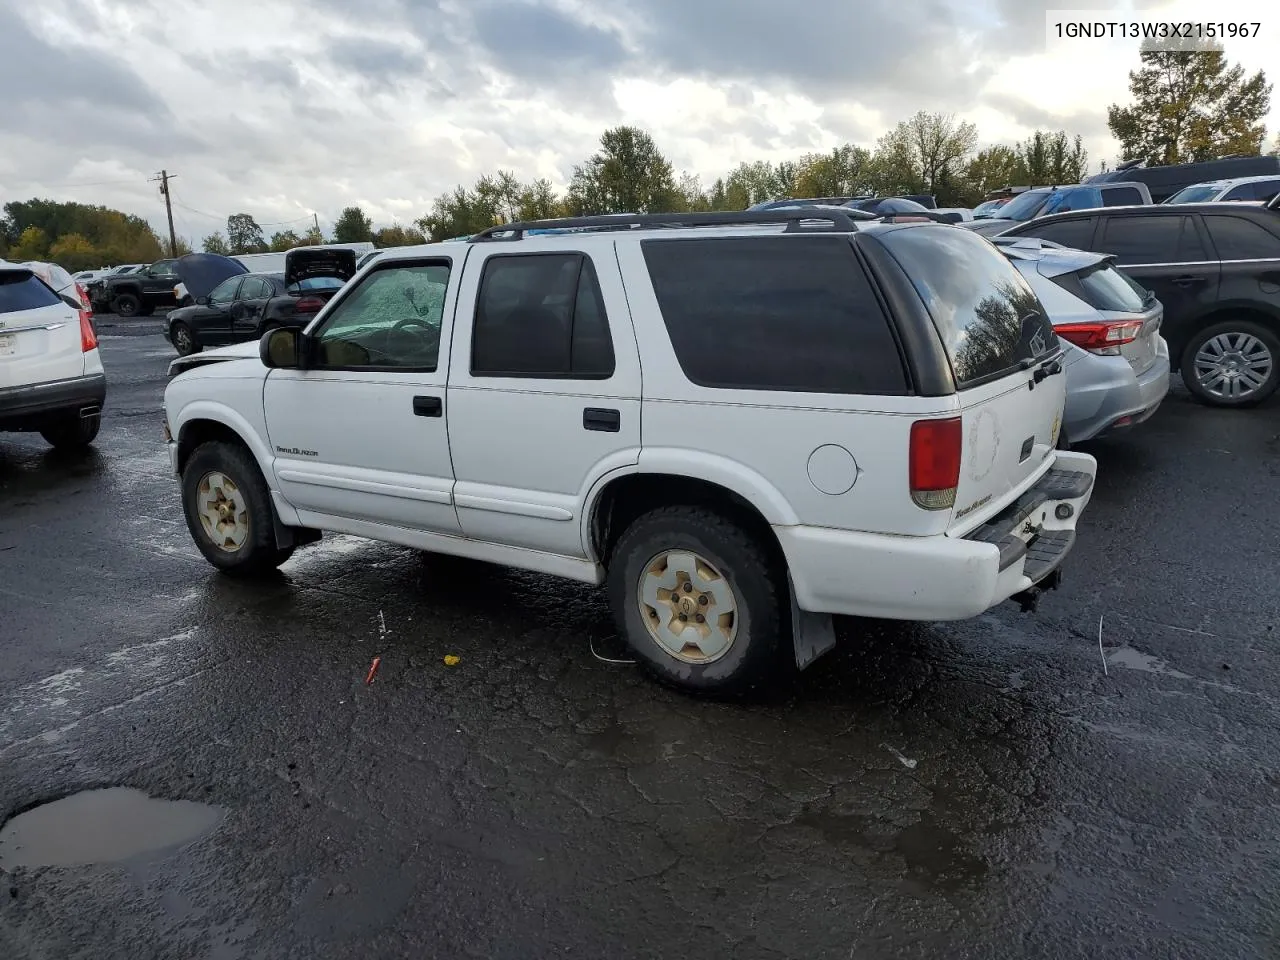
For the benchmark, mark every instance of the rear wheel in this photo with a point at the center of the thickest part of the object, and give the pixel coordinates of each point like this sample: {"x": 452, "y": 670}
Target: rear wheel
{"x": 228, "y": 510}
{"x": 183, "y": 340}
{"x": 72, "y": 431}
{"x": 699, "y": 600}
{"x": 1232, "y": 364}
{"x": 126, "y": 305}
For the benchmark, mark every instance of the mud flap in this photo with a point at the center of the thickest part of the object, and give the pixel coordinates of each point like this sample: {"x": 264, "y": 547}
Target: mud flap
{"x": 813, "y": 634}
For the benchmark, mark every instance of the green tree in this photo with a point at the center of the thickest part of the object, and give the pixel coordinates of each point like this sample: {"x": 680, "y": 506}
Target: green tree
{"x": 1273, "y": 152}
{"x": 690, "y": 197}
{"x": 283, "y": 240}
{"x": 751, "y": 183}
{"x": 117, "y": 236}
{"x": 1190, "y": 105}
{"x": 538, "y": 201}
{"x": 627, "y": 175}
{"x": 845, "y": 171}
{"x": 33, "y": 244}
{"x": 1050, "y": 158}
{"x": 398, "y": 236}
{"x": 460, "y": 213}
{"x": 216, "y": 243}
{"x": 74, "y": 252}
{"x": 313, "y": 236}
{"x": 926, "y": 154}
{"x": 244, "y": 235}
{"x": 992, "y": 169}
{"x": 352, "y": 226}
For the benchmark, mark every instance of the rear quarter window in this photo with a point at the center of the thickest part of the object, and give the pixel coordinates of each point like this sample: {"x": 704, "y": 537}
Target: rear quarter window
{"x": 1070, "y": 233}
{"x": 23, "y": 291}
{"x": 774, "y": 313}
{"x": 986, "y": 314}
{"x": 1237, "y": 238}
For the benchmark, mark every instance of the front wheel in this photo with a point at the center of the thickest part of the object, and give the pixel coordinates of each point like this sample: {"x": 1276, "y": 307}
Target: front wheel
{"x": 700, "y": 601}
{"x": 183, "y": 340}
{"x": 1232, "y": 364}
{"x": 228, "y": 510}
{"x": 72, "y": 431}
{"x": 126, "y": 305}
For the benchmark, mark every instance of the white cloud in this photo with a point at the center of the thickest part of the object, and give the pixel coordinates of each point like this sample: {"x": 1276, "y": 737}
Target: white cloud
{"x": 296, "y": 106}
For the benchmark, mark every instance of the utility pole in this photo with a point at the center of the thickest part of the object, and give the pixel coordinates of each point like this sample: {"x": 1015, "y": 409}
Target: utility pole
{"x": 164, "y": 177}
{"x": 316, "y": 219}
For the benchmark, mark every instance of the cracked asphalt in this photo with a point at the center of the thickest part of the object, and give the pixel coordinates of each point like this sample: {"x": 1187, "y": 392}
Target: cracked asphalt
{"x": 979, "y": 789}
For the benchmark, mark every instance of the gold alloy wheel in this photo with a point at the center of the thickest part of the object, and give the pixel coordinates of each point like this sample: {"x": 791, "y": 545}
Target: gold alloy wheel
{"x": 688, "y": 606}
{"x": 223, "y": 513}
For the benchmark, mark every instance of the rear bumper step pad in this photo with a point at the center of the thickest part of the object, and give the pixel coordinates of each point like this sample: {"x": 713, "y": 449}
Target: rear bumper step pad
{"x": 1045, "y": 550}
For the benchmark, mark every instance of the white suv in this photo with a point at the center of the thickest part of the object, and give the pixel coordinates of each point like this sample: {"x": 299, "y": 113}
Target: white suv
{"x": 51, "y": 377}
{"x": 741, "y": 423}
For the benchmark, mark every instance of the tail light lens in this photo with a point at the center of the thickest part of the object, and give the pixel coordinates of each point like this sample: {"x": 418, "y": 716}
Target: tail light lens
{"x": 88, "y": 337}
{"x": 935, "y": 462}
{"x": 84, "y": 299}
{"x": 1104, "y": 338}
{"x": 308, "y": 305}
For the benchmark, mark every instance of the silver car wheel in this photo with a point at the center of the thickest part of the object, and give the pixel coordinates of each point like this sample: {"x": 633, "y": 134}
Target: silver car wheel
{"x": 1233, "y": 366}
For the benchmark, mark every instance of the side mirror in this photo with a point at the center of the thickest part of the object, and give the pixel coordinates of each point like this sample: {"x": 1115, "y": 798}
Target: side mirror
{"x": 281, "y": 349}
{"x": 202, "y": 301}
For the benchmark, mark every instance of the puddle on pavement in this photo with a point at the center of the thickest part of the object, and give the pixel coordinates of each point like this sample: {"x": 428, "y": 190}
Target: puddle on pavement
{"x": 101, "y": 826}
{"x": 1133, "y": 659}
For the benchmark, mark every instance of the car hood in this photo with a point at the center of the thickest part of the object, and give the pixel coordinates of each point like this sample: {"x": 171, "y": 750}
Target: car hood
{"x": 237, "y": 351}
{"x": 303, "y": 263}
{"x": 201, "y": 272}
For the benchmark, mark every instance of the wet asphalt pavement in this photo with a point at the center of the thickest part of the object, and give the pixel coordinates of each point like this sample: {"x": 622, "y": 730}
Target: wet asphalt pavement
{"x": 981, "y": 789}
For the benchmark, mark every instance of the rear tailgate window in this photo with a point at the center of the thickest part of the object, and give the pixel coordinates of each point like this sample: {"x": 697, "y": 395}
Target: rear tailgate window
{"x": 22, "y": 290}
{"x": 988, "y": 318}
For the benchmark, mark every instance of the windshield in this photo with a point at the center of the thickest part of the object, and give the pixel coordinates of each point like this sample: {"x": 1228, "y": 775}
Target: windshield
{"x": 1024, "y": 206}
{"x": 1196, "y": 193}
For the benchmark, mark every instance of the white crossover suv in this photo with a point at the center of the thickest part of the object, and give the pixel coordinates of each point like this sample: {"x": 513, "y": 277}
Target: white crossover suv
{"x": 741, "y": 423}
{"x": 51, "y": 377}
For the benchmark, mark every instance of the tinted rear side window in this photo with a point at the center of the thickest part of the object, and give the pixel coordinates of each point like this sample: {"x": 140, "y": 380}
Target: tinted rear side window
{"x": 22, "y": 291}
{"x": 541, "y": 315}
{"x": 1121, "y": 197}
{"x": 1151, "y": 239}
{"x": 1069, "y": 233}
{"x": 1239, "y": 239}
{"x": 774, "y": 313}
{"x": 987, "y": 316}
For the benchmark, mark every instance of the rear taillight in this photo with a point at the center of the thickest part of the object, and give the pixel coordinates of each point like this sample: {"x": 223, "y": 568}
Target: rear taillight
{"x": 84, "y": 300}
{"x": 308, "y": 305}
{"x": 1104, "y": 337}
{"x": 88, "y": 338}
{"x": 935, "y": 462}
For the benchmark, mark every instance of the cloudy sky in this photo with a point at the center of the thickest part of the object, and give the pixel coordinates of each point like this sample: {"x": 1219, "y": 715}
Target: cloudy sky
{"x": 282, "y": 108}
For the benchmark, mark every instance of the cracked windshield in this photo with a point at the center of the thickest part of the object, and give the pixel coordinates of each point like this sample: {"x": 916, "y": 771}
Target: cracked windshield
{"x": 549, "y": 478}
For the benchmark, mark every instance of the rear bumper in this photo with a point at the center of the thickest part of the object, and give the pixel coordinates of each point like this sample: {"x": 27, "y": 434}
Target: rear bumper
{"x": 31, "y": 405}
{"x": 942, "y": 577}
{"x": 1103, "y": 394}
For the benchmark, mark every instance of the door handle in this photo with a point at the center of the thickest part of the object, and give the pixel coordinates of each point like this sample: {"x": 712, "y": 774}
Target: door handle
{"x": 428, "y": 407}
{"x": 599, "y": 418}
{"x": 1187, "y": 281}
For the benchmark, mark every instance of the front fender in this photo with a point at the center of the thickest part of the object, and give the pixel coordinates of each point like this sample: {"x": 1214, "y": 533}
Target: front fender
{"x": 231, "y": 418}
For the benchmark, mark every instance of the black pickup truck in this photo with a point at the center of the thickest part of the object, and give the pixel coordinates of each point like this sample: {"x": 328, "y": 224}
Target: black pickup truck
{"x": 139, "y": 293}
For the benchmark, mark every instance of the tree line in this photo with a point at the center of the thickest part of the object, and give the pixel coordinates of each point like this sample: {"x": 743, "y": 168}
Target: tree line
{"x": 1185, "y": 106}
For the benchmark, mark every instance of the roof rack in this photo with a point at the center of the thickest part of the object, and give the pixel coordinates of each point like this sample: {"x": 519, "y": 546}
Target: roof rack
{"x": 795, "y": 218}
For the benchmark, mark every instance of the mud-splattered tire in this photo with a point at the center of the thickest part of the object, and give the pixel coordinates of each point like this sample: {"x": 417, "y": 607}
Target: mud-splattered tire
{"x": 692, "y": 563}
{"x": 228, "y": 510}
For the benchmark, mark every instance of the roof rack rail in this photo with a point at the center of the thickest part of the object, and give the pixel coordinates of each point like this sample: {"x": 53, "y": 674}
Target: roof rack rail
{"x": 794, "y": 218}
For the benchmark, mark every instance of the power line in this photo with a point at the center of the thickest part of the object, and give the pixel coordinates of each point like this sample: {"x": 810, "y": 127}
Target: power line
{"x": 269, "y": 223}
